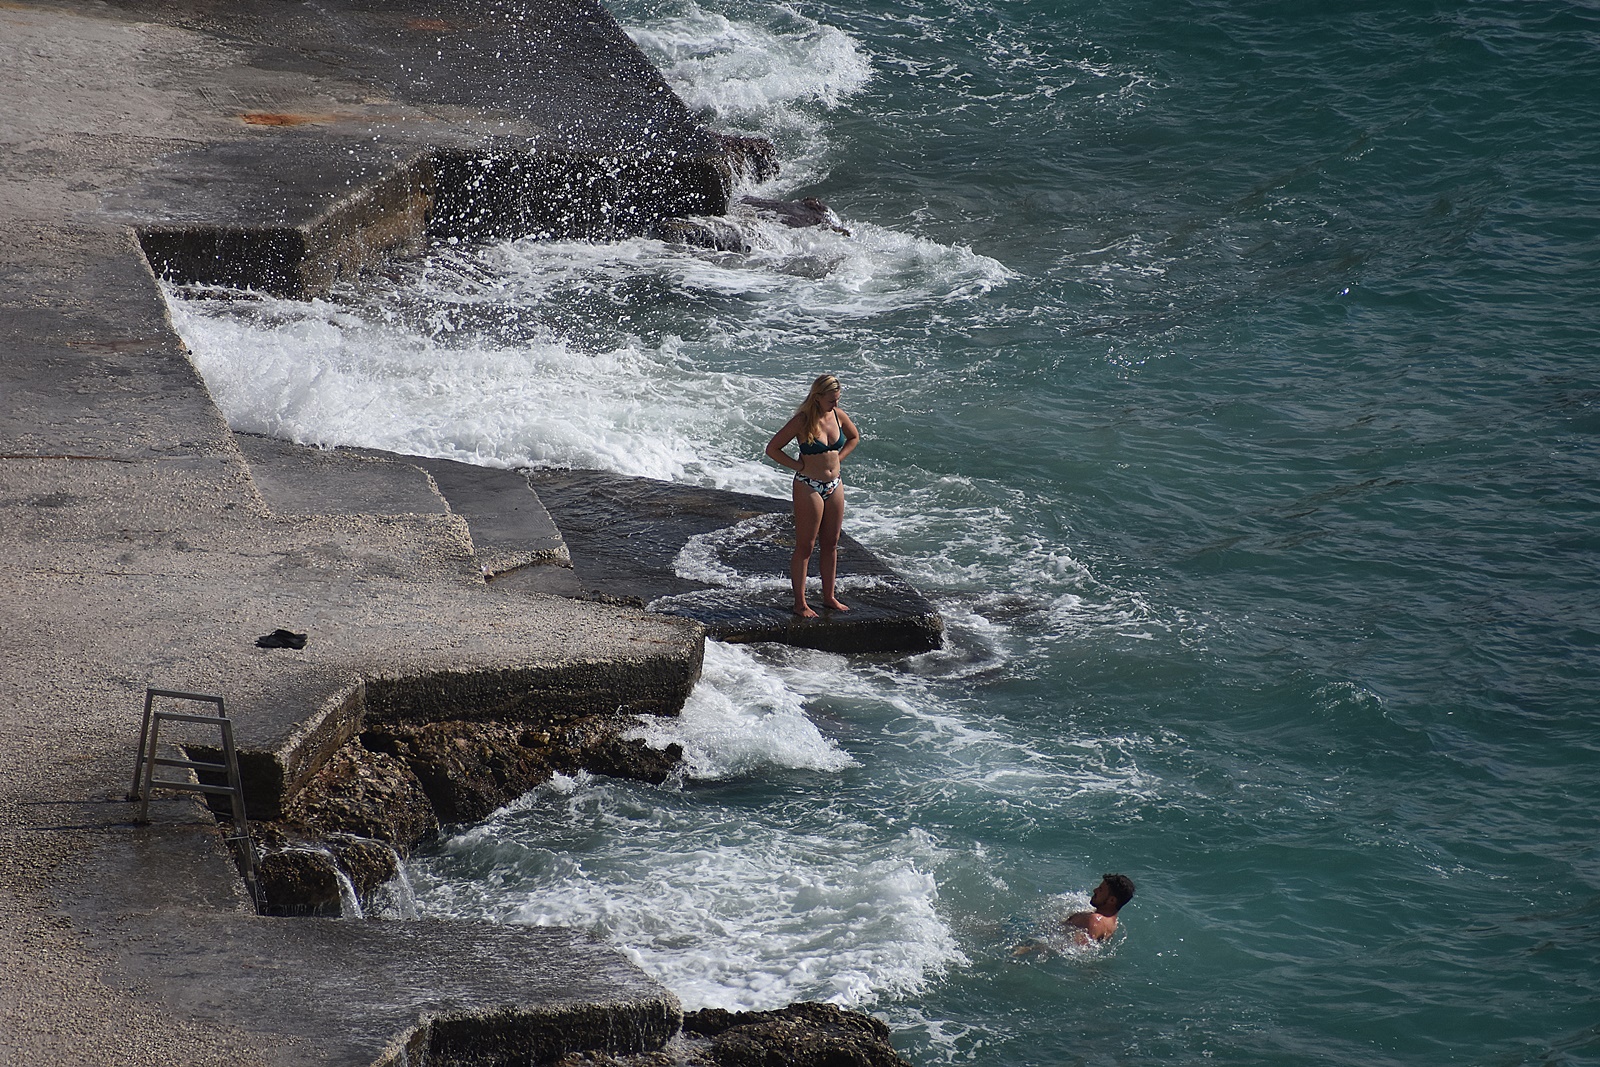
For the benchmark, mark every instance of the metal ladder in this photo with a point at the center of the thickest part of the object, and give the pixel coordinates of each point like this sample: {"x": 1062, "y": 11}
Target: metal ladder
{"x": 144, "y": 779}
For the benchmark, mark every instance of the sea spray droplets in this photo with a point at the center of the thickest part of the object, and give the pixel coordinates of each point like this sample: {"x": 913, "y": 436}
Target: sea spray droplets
{"x": 632, "y": 356}
{"x": 749, "y": 70}
{"x": 769, "y": 70}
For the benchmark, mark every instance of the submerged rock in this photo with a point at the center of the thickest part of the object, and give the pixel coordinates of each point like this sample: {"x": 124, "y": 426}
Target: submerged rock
{"x": 719, "y": 235}
{"x": 807, "y": 211}
{"x": 801, "y": 1035}
{"x": 727, "y": 235}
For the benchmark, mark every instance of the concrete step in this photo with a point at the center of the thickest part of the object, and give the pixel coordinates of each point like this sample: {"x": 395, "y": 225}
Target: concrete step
{"x": 510, "y": 526}
{"x": 300, "y": 480}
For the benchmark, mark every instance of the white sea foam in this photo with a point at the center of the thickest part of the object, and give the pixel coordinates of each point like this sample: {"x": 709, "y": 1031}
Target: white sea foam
{"x": 557, "y": 353}
{"x": 701, "y": 559}
{"x": 728, "y": 907}
{"x": 740, "y": 719}
{"x": 756, "y": 705}
{"x": 317, "y": 374}
{"x": 806, "y": 276}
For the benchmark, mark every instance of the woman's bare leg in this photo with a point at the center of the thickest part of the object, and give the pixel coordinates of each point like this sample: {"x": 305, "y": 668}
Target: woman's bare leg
{"x": 828, "y": 564}
{"x": 808, "y": 512}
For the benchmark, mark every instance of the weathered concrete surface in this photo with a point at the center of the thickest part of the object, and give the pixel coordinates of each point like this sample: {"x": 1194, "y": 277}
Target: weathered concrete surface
{"x": 137, "y": 551}
{"x": 721, "y": 559}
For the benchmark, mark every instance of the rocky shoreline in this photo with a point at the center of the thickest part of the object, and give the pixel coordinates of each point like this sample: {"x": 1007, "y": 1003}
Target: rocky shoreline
{"x": 393, "y": 788}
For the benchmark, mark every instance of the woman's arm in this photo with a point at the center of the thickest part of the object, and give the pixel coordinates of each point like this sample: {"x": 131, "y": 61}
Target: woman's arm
{"x": 775, "y": 452}
{"x": 852, "y": 436}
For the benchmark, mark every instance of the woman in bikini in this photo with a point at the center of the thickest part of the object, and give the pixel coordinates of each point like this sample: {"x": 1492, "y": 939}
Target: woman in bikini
{"x": 825, "y": 435}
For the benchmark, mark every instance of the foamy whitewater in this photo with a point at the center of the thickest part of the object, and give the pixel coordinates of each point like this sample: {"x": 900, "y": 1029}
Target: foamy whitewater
{"x": 1227, "y": 376}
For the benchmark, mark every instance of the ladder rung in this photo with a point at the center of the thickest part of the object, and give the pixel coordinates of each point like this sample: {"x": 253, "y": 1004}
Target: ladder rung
{"x": 191, "y": 764}
{"x": 184, "y": 716}
{"x": 193, "y": 787}
{"x": 182, "y": 694}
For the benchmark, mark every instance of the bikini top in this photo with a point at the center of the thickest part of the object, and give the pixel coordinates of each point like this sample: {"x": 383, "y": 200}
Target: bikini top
{"x": 814, "y": 448}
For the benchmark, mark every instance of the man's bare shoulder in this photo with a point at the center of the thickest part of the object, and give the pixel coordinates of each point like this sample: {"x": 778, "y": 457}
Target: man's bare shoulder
{"x": 1098, "y": 927}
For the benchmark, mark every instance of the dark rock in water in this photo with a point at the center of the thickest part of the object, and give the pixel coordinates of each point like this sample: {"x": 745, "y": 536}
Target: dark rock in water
{"x": 298, "y": 881}
{"x": 595, "y": 743}
{"x": 801, "y": 1035}
{"x": 469, "y": 769}
{"x": 726, "y": 235}
{"x": 721, "y": 559}
{"x": 365, "y": 794}
{"x": 807, "y": 211}
{"x": 367, "y": 863}
{"x": 719, "y": 235}
{"x": 634, "y": 760}
{"x": 300, "y": 877}
{"x": 752, "y": 158}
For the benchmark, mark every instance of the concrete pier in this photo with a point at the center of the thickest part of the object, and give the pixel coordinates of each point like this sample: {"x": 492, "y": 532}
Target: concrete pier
{"x": 282, "y": 145}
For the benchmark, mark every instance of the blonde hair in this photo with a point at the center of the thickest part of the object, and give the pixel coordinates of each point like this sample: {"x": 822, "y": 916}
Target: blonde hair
{"x": 811, "y": 408}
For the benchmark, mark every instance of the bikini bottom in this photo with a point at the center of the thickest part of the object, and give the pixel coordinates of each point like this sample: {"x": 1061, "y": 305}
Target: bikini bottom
{"x": 822, "y": 489}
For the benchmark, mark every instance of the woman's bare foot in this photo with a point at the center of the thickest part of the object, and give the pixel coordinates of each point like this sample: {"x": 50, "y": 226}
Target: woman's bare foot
{"x": 804, "y": 611}
{"x": 834, "y": 605}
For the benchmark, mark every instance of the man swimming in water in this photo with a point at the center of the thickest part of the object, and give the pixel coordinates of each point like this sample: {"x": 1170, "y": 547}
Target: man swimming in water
{"x": 1108, "y": 897}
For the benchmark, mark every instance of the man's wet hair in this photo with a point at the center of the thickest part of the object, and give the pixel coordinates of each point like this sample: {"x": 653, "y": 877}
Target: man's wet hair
{"x": 1121, "y": 887}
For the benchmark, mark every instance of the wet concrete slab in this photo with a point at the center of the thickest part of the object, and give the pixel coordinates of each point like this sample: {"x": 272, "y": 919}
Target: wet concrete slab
{"x": 339, "y": 991}
{"x": 722, "y": 559}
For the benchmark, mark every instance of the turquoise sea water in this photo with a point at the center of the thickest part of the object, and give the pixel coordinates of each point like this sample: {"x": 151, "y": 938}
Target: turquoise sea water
{"x": 1229, "y": 378}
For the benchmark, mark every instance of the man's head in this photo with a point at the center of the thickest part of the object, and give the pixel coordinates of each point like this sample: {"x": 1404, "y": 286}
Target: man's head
{"x": 1112, "y": 893}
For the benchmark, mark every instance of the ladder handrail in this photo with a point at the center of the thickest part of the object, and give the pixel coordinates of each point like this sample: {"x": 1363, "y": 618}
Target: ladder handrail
{"x": 146, "y": 762}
